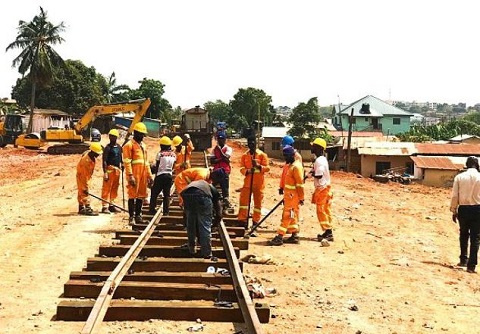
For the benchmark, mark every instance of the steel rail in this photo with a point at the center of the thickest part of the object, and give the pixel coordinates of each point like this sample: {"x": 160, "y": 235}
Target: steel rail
{"x": 102, "y": 303}
{"x": 245, "y": 302}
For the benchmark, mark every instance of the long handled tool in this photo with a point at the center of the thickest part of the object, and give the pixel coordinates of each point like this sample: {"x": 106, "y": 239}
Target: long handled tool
{"x": 109, "y": 203}
{"x": 123, "y": 190}
{"x": 255, "y": 226}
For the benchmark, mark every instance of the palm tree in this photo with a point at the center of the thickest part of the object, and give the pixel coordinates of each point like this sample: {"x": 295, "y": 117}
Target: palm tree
{"x": 114, "y": 90}
{"x": 37, "y": 57}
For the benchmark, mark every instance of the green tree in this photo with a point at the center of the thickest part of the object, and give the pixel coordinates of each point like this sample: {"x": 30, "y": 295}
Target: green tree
{"x": 114, "y": 92}
{"x": 304, "y": 118}
{"x": 37, "y": 57}
{"x": 74, "y": 89}
{"x": 251, "y": 104}
{"x": 153, "y": 89}
{"x": 473, "y": 117}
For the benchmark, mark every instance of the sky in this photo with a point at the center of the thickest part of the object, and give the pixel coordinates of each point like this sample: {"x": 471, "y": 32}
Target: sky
{"x": 337, "y": 51}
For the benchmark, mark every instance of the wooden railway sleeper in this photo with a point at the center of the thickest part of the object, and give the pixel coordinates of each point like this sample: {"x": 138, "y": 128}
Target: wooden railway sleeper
{"x": 218, "y": 301}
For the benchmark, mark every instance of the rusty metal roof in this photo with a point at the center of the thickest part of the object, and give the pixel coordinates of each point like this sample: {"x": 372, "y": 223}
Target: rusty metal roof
{"x": 447, "y": 149}
{"x": 388, "y": 148}
{"x": 429, "y": 162}
{"x": 356, "y": 133}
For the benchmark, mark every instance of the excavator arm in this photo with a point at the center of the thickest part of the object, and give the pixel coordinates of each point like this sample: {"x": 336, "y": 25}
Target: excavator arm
{"x": 139, "y": 107}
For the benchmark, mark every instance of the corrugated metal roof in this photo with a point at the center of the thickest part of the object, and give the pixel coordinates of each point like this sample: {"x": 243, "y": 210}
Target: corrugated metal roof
{"x": 49, "y": 112}
{"x": 274, "y": 131}
{"x": 446, "y": 163}
{"x": 388, "y": 148}
{"x": 447, "y": 149}
{"x": 357, "y": 133}
{"x": 462, "y": 137}
{"x": 378, "y": 108}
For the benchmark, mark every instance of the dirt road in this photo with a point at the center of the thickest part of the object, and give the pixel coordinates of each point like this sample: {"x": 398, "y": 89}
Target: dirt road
{"x": 389, "y": 269}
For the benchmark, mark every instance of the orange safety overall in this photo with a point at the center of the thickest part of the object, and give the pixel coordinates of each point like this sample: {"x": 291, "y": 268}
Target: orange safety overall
{"x": 183, "y": 160}
{"x": 187, "y": 176}
{"x": 136, "y": 163}
{"x": 110, "y": 187}
{"x": 85, "y": 169}
{"x": 322, "y": 197}
{"x": 293, "y": 193}
{"x": 258, "y": 184}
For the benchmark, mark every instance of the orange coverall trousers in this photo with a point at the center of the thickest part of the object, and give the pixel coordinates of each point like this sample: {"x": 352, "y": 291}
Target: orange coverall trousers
{"x": 110, "y": 187}
{"x": 141, "y": 175}
{"x": 323, "y": 200}
{"x": 291, "y": 208}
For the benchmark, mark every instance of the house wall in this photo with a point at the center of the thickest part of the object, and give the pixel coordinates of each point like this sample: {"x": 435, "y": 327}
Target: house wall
{"x": 365, "y": 122}
{"x": 439, "y": 177}
{"x": 368, "y": 162}
{"x": 271, "y": 146}
{"x": 43, "y": 122}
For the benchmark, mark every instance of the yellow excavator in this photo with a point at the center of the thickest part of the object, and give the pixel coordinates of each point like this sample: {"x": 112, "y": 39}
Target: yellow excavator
{"x": 74, "y": 136}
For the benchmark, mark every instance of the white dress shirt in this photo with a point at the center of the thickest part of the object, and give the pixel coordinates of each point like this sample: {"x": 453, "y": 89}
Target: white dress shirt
{"x": 466, "y": 189}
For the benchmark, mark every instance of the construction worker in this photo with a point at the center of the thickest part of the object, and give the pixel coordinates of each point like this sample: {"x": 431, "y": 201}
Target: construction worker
{"x": 85, "y": 168}
{"x": 322, "y": 197}
{"x": 137, "y": 171}
{"x": 291, "y": 187}
{"x": 183, "y": 153}
{"x": 163, "y": 180}
{"x": 201, "y": 200}
{"x": 288, "y": 140}
{"x": 221, "y": 159}
{"x": 254, "y": 165}
{"x": 194, "y": 174}
{"x": 188, "y": 145}
{"x": 112, "y": 164}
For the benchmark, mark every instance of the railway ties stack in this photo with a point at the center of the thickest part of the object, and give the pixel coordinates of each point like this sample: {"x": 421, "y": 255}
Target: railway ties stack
{"x": 164, "y": 282}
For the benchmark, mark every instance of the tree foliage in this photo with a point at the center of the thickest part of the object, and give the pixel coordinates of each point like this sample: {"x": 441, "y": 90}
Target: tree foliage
{"x": 442, "y": 131}
{"x": 74, "y": 89}
{"x": 160, "y": 108}
{"x": 38, "y": 58}
{"x": 304, "y": 119}
{"x": 114, "y": 92}
{"x": 250, "y": 105}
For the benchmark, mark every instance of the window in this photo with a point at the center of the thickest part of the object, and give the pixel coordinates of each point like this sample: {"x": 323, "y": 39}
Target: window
{"x": 409, "y": 168}
{"x": 396, "y": 120}
{"x": 354, "y": 120}
{"x": 366, "y": 119}
{"x": 381, "y": 166}
{"x": 275, "y": 146}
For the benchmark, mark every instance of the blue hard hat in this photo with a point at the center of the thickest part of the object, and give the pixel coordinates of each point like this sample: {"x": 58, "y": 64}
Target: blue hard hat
{"x": 288, "y": 150}
{"x": 287, "y": 140}
{"x": 221, "y": 135}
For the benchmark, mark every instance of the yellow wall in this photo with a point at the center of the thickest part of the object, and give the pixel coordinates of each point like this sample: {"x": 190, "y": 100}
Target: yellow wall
{"x": 369, "y": 162}
{"x": 439, "y": 177}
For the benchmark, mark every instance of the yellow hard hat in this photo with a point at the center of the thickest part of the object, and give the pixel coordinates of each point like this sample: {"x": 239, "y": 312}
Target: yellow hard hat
{"x": 177, "y": 140}
{"x": 96, "y": 147}
{"x": 140, "y": 127}
{"x": 165, "y": 141}
{"x": 114, "y": 132}
{"x": 320, "y": 142}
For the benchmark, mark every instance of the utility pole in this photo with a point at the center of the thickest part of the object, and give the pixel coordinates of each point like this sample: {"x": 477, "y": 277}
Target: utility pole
{"x": 349, "y": 142}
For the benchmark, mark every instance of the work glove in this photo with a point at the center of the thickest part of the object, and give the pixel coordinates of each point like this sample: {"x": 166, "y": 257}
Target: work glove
{"x": 280, "y": 191}
{"x": 85, "y": 192}
{"x": 105, "y": 177}
{"x": 301, "y": 202}
{"x": 131, "y": 181}
{"x": 150, "y": 182}
{"x": 454, "y": 217}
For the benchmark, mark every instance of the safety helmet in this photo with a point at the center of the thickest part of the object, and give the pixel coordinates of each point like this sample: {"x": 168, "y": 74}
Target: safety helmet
{"x": 96, "y": 147}
{"x": 288, "y": 150}
{"x": 140, "y": 127}
{"x": 287, "y": 140}
{"x": 114, "y": 132}
{"x": 177, "y": 140}
{"x": 165, "y": 141}
{"x": 320, "y": 142}
{"x": 221, "y": 135}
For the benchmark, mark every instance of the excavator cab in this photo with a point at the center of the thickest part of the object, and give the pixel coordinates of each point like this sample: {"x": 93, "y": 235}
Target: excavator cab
{"x": 11, "y": 126}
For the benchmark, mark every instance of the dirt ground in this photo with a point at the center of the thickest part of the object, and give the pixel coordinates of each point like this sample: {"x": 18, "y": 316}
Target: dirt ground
{"x": 389, "y": 270}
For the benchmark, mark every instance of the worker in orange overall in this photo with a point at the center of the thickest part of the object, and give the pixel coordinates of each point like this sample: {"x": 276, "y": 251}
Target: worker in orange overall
{"x": 254, "y": 165}
{"x": 183, "y": 153}
{"x": 138, "y": 173}
{"x": 323, "y": 195}
{"x": 195, "y": 174}
{"x": 85, "y": 168}
{"x": 291, "y": 187}
{"x": 112, "y": 164}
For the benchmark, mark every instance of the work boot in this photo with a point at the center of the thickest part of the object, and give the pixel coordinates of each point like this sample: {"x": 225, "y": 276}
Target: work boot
{"x": 114, "y": 209}
{"x": 139, "y": 219}
{"x": 277, "y": 241}
{"x": 138, "y": 207}
{"x": 81, "y": 209}
{"x": 471, "y": 270}
{"x": 89, "y": 211}
{"x": 462, "y": 263}
{"x": 131, "y": 220}
{"x": 327, "y": 235}
{"x": 105, "y": 210}
{"x": 131, "y": 208}
{"x": 294, "y": 239}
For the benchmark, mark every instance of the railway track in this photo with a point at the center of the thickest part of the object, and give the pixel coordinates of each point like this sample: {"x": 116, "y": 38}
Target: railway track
{"x": 148, "y": 274}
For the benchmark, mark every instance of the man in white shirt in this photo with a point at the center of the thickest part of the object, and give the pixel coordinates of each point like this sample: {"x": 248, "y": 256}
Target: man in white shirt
{"x": 163, "y": 180}
{"x": 322, "y": 197}
{"x": 465, "y": 206}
